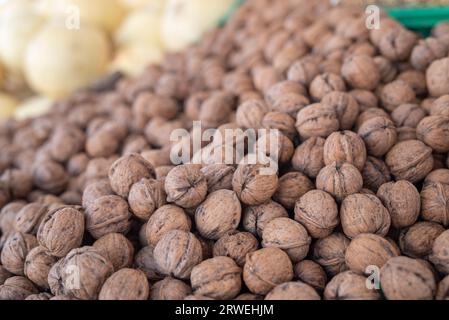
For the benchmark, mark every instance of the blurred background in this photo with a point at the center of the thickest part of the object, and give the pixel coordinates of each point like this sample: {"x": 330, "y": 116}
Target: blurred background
{"x": 51, "y": 48}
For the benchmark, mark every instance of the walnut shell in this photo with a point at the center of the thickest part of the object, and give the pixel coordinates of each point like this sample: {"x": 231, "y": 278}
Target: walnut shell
{"x": 375, "y": 173}
{"x": 125, "y": 284}
{"x": 144, "y": 260}
{"x": 266, "y": 268}
{"x": 379, "y": 135}
{"x": 325, "y": 83}
{"x": 252, "y": 185}
{"x": 50, "y": 177}
{"x": 280, "y": 121}
{"x": 410, "y": 160}
{"x": 165, "y": 219}
{"x": 20, "y": 182}
{"x": 401, "y": 198}
{"x": 250, "y": 114}
{"x": 4, "y": 274}
{"x": 95, "y": 190}
{"x": 80, "y": 274}
{"x": 364, "y": 213}
{"x": 17, "y": 288}
{"x": 349, "y": 285}
{"x": 311, "y": 273}
{"x": 345, "y": 146}
{"x": 417, "y": 241}
{"x": 329, "y": 252}
{"x": 39, "y": 297}
{"x": 186, "y": 186}
{"x": 397, "y": 43}
{"x": 236, "y": 245}
{"x": 15, "y": 250}
{"x": 184, "y": 250}
{"x": 443, "y": 289}
{"x": 417, "y": 280}
{"x": 434, "y": 196}
{"x": 303, "y": 71}
{"x": 170, "y": 289}
{"x": 433, "y": 130}
{"x": 282, "y": 88}
{"x": 145, "y": 197}
{"x": 255, "y": 218}
{"x": 308, "y": 157}
{"x": 317, "y": 212}
{"x": 66, "y": 141}
{"x": 8, "y": 215}
{"x": 30, "y": 217}
{"x": 37, "y": 266}
{"x": 288, "y": 235}
{"x": 439, "y": 255}
{"x": 440, "y": 106}
{"x": 361, "y": 72}
{"x": 427, "y": 51}
{"x": 106, "y": 215}
{"x": 340, "y": 180}
{"x": 292, "y": 186}
{"x": 293, "y": 291}
{"x": 408, "y": 115}
{"x": 346, "y": 108}
{"x": 437, "y": 78}
{"x": 317, "y": 120}
{"x": 218, "y": 176}
{"x": 290, "y": 103}
{"x": 365, "y": 99}
{"x": 128, "y": 170}
{"x": 218, "y": 278}
{"x": 117, "y": 249}
{"x": 369, "y": 250}
{"x": 396, "y": 93}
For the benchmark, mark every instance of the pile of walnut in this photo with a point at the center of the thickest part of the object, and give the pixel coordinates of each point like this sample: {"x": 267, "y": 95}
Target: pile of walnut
{"x": 93, "y": 209}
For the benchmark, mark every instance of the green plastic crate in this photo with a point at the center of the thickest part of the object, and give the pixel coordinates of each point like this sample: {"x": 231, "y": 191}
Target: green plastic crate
{"x": 419, "y": 19}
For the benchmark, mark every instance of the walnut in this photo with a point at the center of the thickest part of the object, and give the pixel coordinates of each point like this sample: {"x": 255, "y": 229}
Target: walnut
{"x": 266, "y": 268}
{"x": 417, "y": 280}
{"x": 369, "y": 250}
{"x": 98, "y": 168}
{"x": 440, "y": 106}
{"x": 145, "y": 197}
{"x": 439, "y": 255}
{"x": 303, "y": 71}
{"x": 153, "y": 105}
{"x": 186, "y": 186}
{"x": 364, "y": 213}
{"x": 345, "y": 146}
{"x": 365, "y": 99}
{"x": 340, "y": 180}
{"x": 95, "y": 190}
{"x": 417, "y": 241}
{"x": 361, "y": 72}
{"x": 282, "y": 88}
{"x": 185, "y": 253}
{"x": 308, "y": 157}
{"x": 17, "y": 288}
{"x": 325, "y": 83}
{"x": 375, "y": 173}
{"x": 265, "y": 76}
{"x": 218, "y": 176}
{"x": 250, "y": 114}
{"x": 66, "y": 141}
{"x": 292, "y": 186}
{"x": 397, "y": 43}
{"x": 401, "y": 198}
{"x": 144, "y": 260}
{"x": 165, "y": 219}
{"x": 443, "y": 289}
{"x": 80, "y": 274}
{"x": 117, "y": 249}
{"x": 219, "y": 214}
{"x": 349, "y": 285}
{"x": 106, "y": 215}
{"x": 290, "y": 103}
{"x": 19, "y": 182}
{"x": 396, "y": 93}
{"x": 317, "y": 212}
{"x": 255, "y": 218}
{"x": 15, "y": 250}
{"x": 170, "y": 289}
{"x": 8, "y": 215}
{"x": 433, "y": 130}
{"x": 410, "y": 160}
{"x": 216, "y": 109}
{"x": 50, "y": 177}
{"x": 218, "y": 278}
{"x": 317, "y": 120}
{"x": 329, "y": 252}
{"x": 370, "y": 113}
{"x": 379, "y": 135}
{"x": 280, "y": 121}
{"x": 408, "y": 115}
{"x": 37, "y": 266}
{"x": 236, "y": 245}
{"x": 4, "y": 274}
{"x": 28, "y": 219}
{"x": 39, "y": 297}
{"x": 437, "y": 78}
{"x": 293, "y": 291}
{"x": 346, "y": 107}
{"x": 434, "y": 195}
{"x": 288, "y": 235}
{"x": 311, "y": 273}
{"x": 128, "y": 170}
{"x": 125, "y": 284}
{"x": 253, "y": 185}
